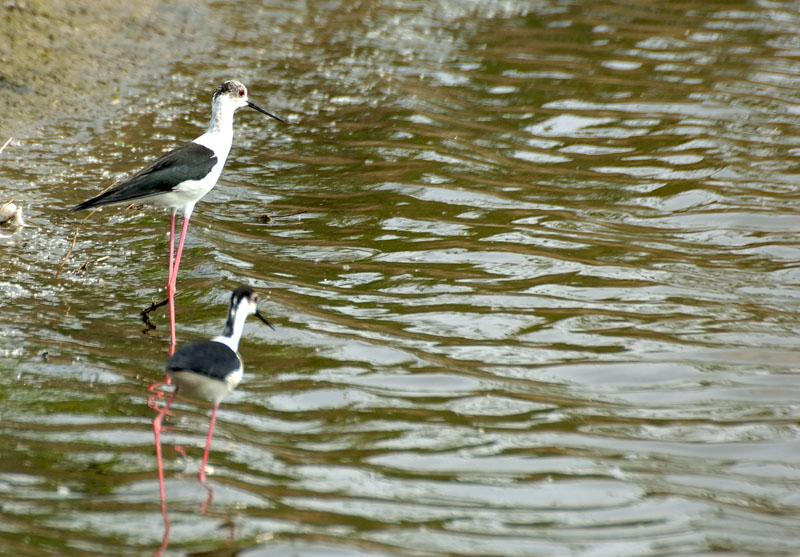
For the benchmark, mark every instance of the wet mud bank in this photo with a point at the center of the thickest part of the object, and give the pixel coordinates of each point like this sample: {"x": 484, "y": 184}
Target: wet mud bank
{"x": 61, "y": 57}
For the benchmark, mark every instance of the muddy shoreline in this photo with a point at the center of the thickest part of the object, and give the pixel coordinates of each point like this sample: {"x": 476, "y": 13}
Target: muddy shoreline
{"x": 64, "y": 57}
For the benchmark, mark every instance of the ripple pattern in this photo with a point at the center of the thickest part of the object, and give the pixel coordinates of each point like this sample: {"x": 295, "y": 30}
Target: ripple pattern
{"x": 533, "y": 269}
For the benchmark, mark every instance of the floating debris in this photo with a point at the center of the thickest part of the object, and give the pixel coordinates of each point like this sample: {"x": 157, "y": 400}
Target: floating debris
{"x": 267, "y": 218}
{"x": 84, "y": 268}
{"x": 145, "y": 315}
{"x": 11, "y": 214}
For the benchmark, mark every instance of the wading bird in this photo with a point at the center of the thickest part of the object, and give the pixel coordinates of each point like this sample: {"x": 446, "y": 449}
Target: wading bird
{"x": 208, "y": 370}
{"x": 180, "y": 178}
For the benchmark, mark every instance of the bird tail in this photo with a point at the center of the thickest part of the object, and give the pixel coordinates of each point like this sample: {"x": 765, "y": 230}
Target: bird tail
{"x": 109, "y": 197}
{"x": 85, "y": 205}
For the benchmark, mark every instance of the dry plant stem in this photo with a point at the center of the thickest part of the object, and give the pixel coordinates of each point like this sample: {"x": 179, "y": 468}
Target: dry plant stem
{"x": 64, "y": 261}
{"x": 84, "y": 268}
{"x": 284, "y": 215}
{"x": 74, "y": 238}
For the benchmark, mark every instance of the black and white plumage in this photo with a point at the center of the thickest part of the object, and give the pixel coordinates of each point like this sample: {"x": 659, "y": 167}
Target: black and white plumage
{"x": 209, "y": 369}
{"x": 205, "y": 370}
{"x": 164, "y": 180}
{"x": 180, "y": 178}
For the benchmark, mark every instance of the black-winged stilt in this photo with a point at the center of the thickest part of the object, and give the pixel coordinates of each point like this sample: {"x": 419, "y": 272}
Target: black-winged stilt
{"x": 208, "y": 370}
{"x": 178, "y": 179}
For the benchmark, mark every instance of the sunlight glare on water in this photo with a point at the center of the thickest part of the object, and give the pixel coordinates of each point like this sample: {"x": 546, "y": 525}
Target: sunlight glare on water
{"x": 533, "y": 269}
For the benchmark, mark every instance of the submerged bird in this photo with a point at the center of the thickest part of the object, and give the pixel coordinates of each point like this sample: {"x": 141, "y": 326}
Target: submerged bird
{"x": 209, "y": 369}
{"x": 178, "y": 179}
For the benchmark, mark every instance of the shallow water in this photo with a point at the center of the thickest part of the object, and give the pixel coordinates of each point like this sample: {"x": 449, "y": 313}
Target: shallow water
{"x": 540, "y": 299}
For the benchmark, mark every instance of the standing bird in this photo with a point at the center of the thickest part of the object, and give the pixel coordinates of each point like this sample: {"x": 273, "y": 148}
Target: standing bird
{"x": 180, "y": 178}
{"x": 208, "y": 370}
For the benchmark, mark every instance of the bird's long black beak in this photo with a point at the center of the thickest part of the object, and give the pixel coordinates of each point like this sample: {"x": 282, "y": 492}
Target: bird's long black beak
{"x": 264, "y": 319}
{"x": 261, "y": 110}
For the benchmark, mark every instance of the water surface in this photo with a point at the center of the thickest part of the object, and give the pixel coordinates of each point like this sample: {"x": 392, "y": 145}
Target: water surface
{"x": 533, "y": 269}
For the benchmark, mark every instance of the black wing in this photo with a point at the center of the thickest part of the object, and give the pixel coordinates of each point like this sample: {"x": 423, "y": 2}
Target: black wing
{"x": 205, "y": 357}
{"x": 189, "y": 162}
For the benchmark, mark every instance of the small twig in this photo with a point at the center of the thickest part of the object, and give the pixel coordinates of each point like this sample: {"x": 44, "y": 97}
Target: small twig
{"x": 85, "y": 265}
{"x": 145, "y": 315}
{"x": 267, "y": 218}
{"x": 3, "y": 148}
{"x": 64, "y": 261}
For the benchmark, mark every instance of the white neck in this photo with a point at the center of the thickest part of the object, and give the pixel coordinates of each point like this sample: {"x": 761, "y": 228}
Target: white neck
{"x": 233, "y": 328}
{"x": 219, "y": 135}
{"x": 221, "y": 118}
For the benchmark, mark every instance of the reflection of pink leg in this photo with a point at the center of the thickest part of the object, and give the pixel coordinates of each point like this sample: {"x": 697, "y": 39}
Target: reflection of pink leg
{"x": 173, "y": 278}
{"x": 157, "y": 433}
{"x": 205, "y": 460}
{"x": 207, "y": 502}
{"x": 155, "y": 394}
{"x": 164, "y": 540}
{"x": 208, "y": 444}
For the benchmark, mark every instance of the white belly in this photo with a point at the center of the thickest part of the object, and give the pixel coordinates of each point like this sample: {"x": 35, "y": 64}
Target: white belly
{"x": 200, "y": 387}
{"x": 187, "y": 193}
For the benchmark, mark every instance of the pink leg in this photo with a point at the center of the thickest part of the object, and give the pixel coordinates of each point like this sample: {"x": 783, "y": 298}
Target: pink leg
{"x": 173, "y": 278}
{"x": 157, "y": 432}
{"x": 170, "y": 287}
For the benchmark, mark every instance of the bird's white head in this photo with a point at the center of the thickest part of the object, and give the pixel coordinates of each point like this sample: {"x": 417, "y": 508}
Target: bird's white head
{"x": 244, "y": 302}
{"x": 232, "y": 95}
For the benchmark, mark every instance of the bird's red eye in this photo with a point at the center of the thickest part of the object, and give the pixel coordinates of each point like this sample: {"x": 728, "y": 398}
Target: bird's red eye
{"x": 241, "y": 92}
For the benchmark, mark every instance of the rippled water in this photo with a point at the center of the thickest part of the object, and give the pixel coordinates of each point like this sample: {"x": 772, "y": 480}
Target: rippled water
{"x": 541, "y": 298}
